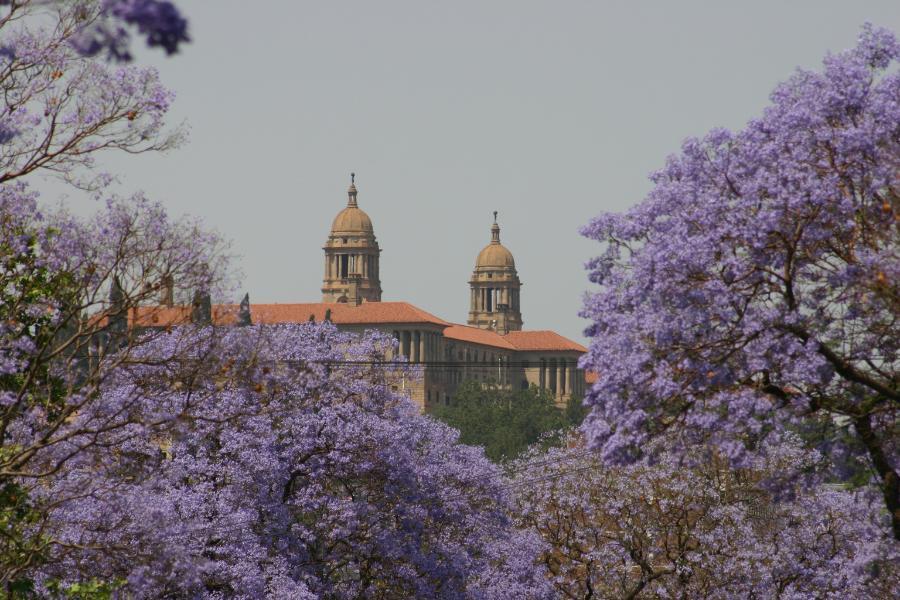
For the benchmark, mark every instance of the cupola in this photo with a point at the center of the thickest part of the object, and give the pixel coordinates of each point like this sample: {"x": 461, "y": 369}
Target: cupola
{"x": 351, "y": 256}
{"x": 494, "y": 288}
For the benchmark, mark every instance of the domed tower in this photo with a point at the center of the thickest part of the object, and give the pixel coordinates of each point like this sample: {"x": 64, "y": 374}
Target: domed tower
{"x": 495, "y": 288}
{"x": 351, "y": 256}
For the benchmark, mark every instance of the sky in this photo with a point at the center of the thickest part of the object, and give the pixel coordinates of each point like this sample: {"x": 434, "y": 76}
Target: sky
{"x": 548, "y": 112}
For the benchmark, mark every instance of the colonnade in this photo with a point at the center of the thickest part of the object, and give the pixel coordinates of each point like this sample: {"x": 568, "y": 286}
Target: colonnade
{"x": 561, "y": 376}
{"x": 365, "y": 265}
{"x": 486, "y": 299}
{"x": 558, "y": 376}
{"x": 419, "y": 346}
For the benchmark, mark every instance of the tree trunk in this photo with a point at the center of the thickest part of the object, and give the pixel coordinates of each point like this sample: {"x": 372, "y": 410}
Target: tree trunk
{"x": 890, "y": 481}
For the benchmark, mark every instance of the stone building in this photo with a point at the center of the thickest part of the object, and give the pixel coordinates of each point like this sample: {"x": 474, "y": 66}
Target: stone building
{"x": 492, "y": 348}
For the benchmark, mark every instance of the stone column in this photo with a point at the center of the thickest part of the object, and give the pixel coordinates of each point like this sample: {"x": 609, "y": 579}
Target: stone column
{"x": 421, "y": 335}
{"x": 573, "y": 371}
{"x": 405, "y": 345}
{"x": 561, "y": 378}
{"x": 551, "y": 375}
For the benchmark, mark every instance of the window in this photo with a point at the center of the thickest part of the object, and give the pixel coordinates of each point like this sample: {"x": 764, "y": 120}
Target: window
{"x": 345, "y": 265}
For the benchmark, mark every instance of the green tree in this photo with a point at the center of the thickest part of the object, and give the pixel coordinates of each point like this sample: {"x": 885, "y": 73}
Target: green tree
{"x": 504, "y": 422}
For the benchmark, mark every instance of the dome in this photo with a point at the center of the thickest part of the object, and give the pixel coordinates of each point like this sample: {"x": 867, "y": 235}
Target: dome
{"x": 352, "y": 220}
{"x": 495, "y": 254}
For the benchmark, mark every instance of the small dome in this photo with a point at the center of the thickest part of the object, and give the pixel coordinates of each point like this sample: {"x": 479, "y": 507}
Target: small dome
{"x": 495, "y": 255}
{"x": 352, "y": 220}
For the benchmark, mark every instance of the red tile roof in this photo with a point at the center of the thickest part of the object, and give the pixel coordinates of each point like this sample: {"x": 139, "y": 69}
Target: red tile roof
{"x": 590, "y": 377}
{"x": 542, "y": 340}
{"x": 514, "y": 340}
{"x": 367, "y": 313}
{"x": 474, "y": 335}
{"x": 159, "y": 316}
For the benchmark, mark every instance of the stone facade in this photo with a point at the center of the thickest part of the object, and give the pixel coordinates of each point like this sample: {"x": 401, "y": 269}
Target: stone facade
{"x": 492, "y": 348}
{"x": 351, "y": 257}
{"x": 495, "y": 285}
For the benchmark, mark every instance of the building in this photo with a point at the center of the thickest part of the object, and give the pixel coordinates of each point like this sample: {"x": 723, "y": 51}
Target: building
{"x": 492, "y": 347}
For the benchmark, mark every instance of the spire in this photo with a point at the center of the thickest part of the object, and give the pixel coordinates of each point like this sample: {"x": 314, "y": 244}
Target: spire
{"x": 495, "y": 231}
{"x": 201, "y": 311}
{"x": 244, "y": 317}
{"x": 351, "y": 191}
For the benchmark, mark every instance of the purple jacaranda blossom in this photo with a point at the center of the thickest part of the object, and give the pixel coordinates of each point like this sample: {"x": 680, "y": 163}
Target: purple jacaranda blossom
{"x": 287, "y": 466}
{"x": 104, "y": 27}
{"x": 158, "y": 21}
{"x": 755, "y": 289}
{"x": 69, "y": 287}
{"x": 666, "y": 531}
{"x": 61, "y": 108}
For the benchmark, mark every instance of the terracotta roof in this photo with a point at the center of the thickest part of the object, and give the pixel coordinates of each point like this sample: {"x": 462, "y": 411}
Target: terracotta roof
{"x": 590, "y": 377}
{"x": 542, "y": 340}
{"x": 474, "y": 335}
{"x": 367, "y": 313}
{"x": 159, "y": 316}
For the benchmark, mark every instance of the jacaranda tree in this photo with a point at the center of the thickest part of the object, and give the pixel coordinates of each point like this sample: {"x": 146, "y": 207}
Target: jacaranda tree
{"x": 302, "y": 475}
{"x": 756, "y": 289}
{"x": 667, "y": 531}
{"x": 105, "y": 27}
{"x": 69, "y": 286}
{"x": 68, "y": 291}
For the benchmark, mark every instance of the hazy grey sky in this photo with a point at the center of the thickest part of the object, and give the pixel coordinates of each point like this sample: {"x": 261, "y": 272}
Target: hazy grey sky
{"x": 549, "y": 112}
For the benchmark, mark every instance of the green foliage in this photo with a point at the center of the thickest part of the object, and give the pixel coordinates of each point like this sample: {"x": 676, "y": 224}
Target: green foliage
{"x": 87, "y": 590}
{"x": 575, "y": 410}
{"x": 505, "y": 422}
{"x": 29, "y": 293}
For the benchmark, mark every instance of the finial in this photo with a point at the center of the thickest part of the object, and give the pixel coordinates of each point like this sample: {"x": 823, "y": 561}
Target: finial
{"x": 495, "y": 216}
{"x": 351, "y": 191}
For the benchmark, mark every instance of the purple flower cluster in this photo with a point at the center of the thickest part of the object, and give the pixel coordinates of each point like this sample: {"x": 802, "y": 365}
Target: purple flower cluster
{"x": 60, "y": 109}
{"x": 158, "y": 21}
{"x": 262, "y": 472}
{"x": 665, "y": 531}
{"x": 68, "y": 287}
{"x": 755, "y": 289}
